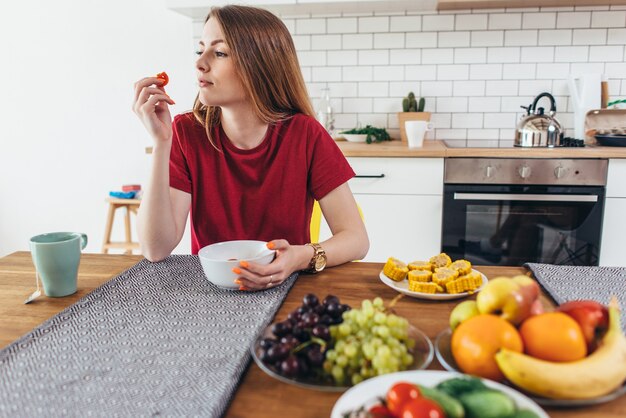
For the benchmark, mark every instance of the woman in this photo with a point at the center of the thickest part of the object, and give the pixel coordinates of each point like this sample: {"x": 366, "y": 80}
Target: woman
{"x": 250, "y": 160}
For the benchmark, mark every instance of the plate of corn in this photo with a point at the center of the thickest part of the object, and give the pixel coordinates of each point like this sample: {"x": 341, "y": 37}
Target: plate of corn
{"x": 437, "y": 278}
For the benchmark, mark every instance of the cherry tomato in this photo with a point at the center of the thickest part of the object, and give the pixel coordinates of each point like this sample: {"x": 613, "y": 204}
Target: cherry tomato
{"x": 163, "y": 76}
{"x": 380, "y": 411}
{"x": 399, "y": 394}
{"x": 422, "y": 408}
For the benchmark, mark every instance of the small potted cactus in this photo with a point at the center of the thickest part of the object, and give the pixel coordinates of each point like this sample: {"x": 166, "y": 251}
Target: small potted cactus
{"x": 412, "y": 109}
{"x": 409, "y": 104}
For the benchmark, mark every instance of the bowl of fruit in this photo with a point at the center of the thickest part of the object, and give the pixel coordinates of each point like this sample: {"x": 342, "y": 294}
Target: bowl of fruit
{"x": 327, "y": 345}
{"x": 571, "y": 356}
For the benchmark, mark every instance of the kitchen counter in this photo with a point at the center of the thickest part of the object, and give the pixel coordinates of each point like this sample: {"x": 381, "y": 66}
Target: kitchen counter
{"x": 440, "y": 149}
{"x": 436, "y": 149}
{"x": 394, "y": 148}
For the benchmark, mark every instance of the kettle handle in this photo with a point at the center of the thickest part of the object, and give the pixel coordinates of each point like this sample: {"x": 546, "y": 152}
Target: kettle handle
{"x": 533, "y": 107}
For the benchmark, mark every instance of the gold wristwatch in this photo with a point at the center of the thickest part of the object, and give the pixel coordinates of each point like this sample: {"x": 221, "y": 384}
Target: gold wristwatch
{"x": 318, "y": 262}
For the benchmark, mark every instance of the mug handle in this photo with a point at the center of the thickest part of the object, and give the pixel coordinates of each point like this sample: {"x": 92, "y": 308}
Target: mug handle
{"x": 83, "y": 240}
{"x": 429, "y": 126}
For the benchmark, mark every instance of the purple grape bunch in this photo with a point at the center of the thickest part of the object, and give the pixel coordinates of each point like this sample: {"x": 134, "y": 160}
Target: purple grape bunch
{"x": 299, "y": 343}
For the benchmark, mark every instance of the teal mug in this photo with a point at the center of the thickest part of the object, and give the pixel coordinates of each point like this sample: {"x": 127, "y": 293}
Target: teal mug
{"x": 56, "y": 256}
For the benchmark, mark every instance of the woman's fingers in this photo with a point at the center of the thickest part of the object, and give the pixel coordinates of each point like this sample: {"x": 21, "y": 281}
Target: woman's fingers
{"x": 154, "y": 99}
{"x": 259, "y": 284}
{"x": 149, "y": 92}
{"x": 278, "y": 244}
{"x": 145, "y": 82}
{"x": 257, "y": 276}
{"x": 144, "y": 88}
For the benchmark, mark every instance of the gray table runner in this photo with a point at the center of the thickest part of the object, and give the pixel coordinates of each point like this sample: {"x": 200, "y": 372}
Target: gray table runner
{"x": 565, "y": 283}
{"x": 158, "y": 339}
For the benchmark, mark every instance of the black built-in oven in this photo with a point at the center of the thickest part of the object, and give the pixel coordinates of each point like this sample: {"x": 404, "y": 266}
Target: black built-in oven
{"x": 499, "y": 211}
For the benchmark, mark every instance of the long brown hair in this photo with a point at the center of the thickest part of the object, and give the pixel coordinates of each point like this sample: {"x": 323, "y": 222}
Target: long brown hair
{"x": 265, "y": 58}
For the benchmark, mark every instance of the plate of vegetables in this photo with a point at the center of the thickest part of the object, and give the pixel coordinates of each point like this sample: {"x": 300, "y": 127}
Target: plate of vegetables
{"x": 435, "y": 394}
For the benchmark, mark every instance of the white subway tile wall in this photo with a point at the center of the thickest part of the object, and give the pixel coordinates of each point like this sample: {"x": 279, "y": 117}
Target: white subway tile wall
{"x": 475, "y": 68}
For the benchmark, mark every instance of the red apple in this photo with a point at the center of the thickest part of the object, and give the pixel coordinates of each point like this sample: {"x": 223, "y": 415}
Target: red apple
{"x": 593, "y": 318}
{"x": 511, "y": 298}
{"x": 536, "y": 308}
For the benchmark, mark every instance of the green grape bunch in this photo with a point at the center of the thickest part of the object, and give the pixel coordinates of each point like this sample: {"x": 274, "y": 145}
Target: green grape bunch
{"x": 369, "y": 342}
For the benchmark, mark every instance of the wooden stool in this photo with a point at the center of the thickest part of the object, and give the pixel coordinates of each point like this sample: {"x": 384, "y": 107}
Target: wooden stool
{"x": 131, "y": 205}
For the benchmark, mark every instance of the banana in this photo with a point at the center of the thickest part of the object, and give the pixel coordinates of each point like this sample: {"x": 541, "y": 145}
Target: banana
{"x": 598, "y": 374}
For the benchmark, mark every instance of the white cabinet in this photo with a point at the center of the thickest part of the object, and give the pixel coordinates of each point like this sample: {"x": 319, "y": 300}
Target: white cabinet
{"x": 401, "y": 201}
{"x": 614, "y": 226}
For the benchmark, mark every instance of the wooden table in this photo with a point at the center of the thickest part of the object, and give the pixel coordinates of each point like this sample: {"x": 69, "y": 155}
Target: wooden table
{"x": 258, "y": 394}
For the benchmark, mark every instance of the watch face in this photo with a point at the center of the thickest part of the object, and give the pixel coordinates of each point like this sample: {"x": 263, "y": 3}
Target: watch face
{"x": 320, "y": 263}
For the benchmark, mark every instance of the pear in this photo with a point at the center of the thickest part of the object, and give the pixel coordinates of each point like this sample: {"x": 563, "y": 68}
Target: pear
{"x": 462, "y": 312}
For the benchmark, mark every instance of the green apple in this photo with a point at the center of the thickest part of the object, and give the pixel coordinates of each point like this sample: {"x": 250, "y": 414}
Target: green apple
{"x": 462, "y": 312}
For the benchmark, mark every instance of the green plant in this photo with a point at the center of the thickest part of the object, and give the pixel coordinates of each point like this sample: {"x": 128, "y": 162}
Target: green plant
{"x": 615, "y": 102}
{"x": 375, "y": 134}
{"x": 409, "y": 104}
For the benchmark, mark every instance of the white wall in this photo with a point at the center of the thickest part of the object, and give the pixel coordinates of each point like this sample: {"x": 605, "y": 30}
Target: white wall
{"x": 68, "y": 135}
{"x": 474, "y": 67}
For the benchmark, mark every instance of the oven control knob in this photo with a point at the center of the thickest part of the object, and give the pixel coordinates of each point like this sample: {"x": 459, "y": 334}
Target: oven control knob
{"x": 560, "y": 172}
{"x": 524, "y": 171}
{"x": 489, "y": 171}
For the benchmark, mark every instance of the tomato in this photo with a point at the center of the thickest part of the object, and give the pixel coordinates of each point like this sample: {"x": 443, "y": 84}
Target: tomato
{"x": 163, "y": 76}
{"x": 399, "y": 394}
{"x": 380, "y": 411}
{"x": 422, "y": 408}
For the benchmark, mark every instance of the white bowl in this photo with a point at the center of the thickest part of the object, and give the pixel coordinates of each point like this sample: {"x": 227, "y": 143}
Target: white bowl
{"x": 219, "y": 259}
{"x": 355, "y": 137}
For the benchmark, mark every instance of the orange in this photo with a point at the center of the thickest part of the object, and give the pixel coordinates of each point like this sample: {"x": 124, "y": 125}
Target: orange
{"x": 553, "y": 336}
{"x": 476, "y": 341}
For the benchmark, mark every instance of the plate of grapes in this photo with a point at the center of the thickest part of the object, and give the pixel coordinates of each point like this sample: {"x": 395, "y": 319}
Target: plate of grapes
{"x": 327, "y": 345}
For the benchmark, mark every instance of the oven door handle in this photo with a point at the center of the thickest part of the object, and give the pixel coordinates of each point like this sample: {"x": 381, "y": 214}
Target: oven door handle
{"x": 527, "y": 197}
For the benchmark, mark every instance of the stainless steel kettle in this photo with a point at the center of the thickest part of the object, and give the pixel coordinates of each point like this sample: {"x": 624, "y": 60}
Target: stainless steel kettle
{"x": 536, "y": 129}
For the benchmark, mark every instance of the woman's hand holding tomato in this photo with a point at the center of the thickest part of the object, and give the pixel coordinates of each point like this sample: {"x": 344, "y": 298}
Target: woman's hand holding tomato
{"x": 150, "y": 104}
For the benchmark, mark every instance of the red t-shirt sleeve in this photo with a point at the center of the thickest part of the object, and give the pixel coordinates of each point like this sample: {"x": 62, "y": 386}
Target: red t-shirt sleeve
{"x": 329, "y": 168}
{"x": 180, "y": 176}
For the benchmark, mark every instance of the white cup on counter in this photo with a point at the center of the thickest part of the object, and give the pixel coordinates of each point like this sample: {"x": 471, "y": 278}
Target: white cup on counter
{"x": 416, "y": 131}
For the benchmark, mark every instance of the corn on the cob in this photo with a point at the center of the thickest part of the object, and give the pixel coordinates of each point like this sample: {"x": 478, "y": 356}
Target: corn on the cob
{"x": 467, "y": 283}
{"x": 440, "y": 260}
{"x": 443, "y": 275}
{"x": 395, "y": 269}
{"x": 422, "y": 287}
{"x": 463, "y": 266}
{"x": 420, "y": 276}
{"x": 420, "y": 265}
{"x": 439, "y": 274}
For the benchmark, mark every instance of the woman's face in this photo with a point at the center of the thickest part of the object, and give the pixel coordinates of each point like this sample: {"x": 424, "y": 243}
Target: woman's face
{"x": 219, "y": 83}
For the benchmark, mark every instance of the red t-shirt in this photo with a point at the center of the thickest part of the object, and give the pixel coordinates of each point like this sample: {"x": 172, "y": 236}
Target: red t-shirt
{"x": 264, "y": 193}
